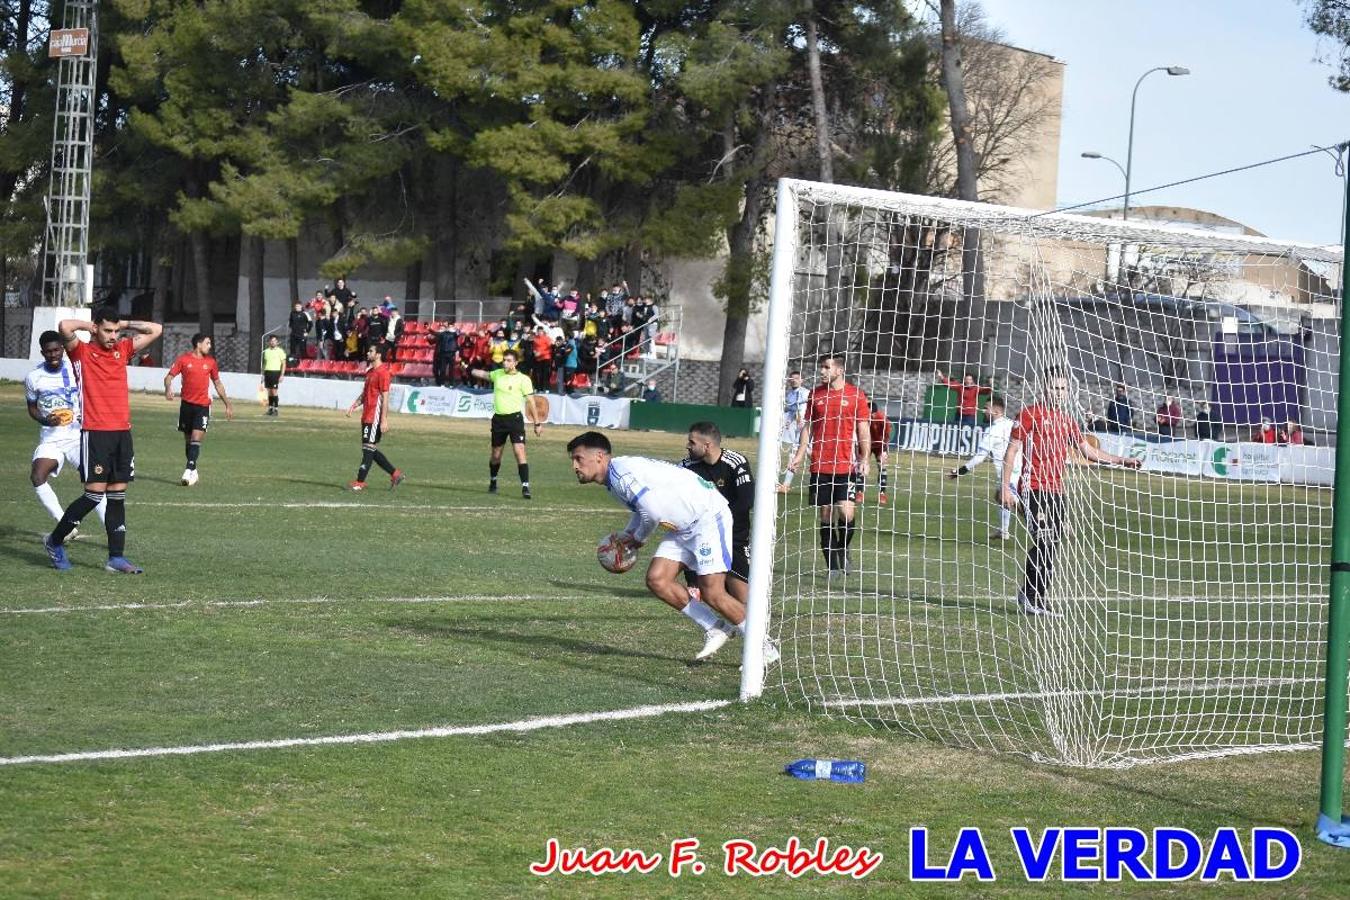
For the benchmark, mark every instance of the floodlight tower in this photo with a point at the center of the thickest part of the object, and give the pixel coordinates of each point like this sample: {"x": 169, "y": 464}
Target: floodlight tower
{"x": 67, "y": 279}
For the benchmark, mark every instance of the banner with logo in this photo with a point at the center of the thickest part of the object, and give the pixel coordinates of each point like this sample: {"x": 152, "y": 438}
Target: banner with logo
{"x": 1244, "y": 462}
{"x": 588, "y": 411}
{"x": 944, "y": 438}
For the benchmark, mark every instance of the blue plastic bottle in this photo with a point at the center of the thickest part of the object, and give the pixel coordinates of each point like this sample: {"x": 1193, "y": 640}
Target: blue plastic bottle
{"x": 847, "y": 770}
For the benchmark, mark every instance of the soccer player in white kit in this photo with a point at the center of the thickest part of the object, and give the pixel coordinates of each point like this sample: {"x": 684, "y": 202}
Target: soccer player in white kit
{"x": 993, "y": 445}
{"x": 53, "y": 395}
{"x": 695, "y": 515}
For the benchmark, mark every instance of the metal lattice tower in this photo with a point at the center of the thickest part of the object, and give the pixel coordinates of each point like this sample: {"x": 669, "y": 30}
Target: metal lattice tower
{"x": 64, "y": 274}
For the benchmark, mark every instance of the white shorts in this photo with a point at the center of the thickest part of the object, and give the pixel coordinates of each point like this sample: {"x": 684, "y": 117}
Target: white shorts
{"x": 704, "y": 549}
{"x": 61, "y": 451}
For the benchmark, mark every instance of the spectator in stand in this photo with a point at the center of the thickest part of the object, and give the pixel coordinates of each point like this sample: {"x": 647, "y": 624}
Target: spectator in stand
{"x": 1168, "y": 417}
{"x": 339, "y": 334}
{"x": 968, "y": 396}
{"x": 497, "y": 347}
{"x": 377, "y": 331}
{"x": 323, "y": 331}
{"x": 613, "y": 299}
{"x": 341, "y": 293}
{"x": 613, "y": 380}
{"x": 362, "y": 333}
{"x": 641, "y": 317}
{"x": 743, "y": 389}
{"x": 653, "y": 324}
{"x": 394, "y": 330}
{"x": 596, "y": 323}
{"x": 316, "y": 304}
{"x": 299, "y": 326}
{"x": 1292, "y": 434}
{"x": 543, "y": 358}
{"x": 1266, "y": 434}
{"x": 1119, "y": 415}
{"x": 588, "y": 357}
{"x": 445, "y": 356}
{"x": 649, "y": 393}
{"x": 571, "y": 309}
{"x": 566, "y": 352}
{"x": 552, "y": 305}
{"x": 1204, "y": 424}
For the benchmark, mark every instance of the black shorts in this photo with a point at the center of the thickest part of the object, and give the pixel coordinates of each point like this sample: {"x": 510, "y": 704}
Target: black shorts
{"x": 192, "y": 417}
{"x": 827, "y": 490}
{"x": 106, "y": 457}
{"x": 740, "y": 562}
{"x": 370, "y": 433}
{"x": 272, "y": 379}
{"x": 510, "y": 426}
{"x": 1045, "y": 515}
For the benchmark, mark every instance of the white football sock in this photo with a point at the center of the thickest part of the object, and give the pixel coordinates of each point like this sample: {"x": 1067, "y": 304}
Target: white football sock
{"x": 47, "y": 497}
{"x": 102, "y": 509}
{"x": 703, "y": 615}
{"x": 1004, "y": 519}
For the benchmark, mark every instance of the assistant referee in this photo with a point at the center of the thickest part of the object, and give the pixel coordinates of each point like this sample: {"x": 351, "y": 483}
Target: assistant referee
{"x": 510, "y": 388}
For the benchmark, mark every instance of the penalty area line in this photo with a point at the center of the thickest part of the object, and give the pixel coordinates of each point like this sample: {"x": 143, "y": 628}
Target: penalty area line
{"x": 376, "y": 737}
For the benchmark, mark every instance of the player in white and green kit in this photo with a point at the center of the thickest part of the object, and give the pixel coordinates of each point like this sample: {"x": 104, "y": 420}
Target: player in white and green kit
{"x": 510, "y": 393}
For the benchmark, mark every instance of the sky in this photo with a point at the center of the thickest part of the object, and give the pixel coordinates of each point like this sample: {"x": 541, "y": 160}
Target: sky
{"x": 1255, "y": 92}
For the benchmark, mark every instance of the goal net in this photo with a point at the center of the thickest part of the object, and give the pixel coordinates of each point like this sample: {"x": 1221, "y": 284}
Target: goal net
{"x": 1187, "y": 597}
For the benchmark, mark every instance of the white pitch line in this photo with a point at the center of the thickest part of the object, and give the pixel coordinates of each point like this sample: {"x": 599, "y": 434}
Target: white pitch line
{"x": 182, "y": 604}
{"x": 355, "y": 504}
{"x": 1166, "y": 691}
{"x": 376, "y": 737}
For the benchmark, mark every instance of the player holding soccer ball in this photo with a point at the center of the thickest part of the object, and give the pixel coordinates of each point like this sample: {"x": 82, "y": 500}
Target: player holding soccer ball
{"x": 53, "y": 395}
{"x": 697, "y": 518}
{"x": 199, "y": 371}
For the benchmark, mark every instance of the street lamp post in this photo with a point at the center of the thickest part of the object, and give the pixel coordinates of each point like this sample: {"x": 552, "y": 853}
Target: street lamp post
{"x": 1129, "y": 150}
{"x": 1093, "y": 154}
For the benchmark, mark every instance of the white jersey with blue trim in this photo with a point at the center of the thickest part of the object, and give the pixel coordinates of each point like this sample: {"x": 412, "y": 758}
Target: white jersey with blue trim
{"x": 661, "y": 494}
{"x": 994, "y": 444}
{"x": 52, "y": 391}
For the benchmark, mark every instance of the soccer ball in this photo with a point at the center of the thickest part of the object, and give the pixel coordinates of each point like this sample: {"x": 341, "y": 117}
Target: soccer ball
{"x": 615, "y": 555}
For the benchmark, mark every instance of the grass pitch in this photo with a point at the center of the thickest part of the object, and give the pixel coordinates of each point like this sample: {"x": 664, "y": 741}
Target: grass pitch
{"x": 277, "y": 606}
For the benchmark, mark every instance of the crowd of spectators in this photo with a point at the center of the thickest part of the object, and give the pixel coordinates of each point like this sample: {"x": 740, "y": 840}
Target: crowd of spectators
{"x": 335, "y": 326}
{"x": 564, "y": 340}
{"x": 1170, "y": 421}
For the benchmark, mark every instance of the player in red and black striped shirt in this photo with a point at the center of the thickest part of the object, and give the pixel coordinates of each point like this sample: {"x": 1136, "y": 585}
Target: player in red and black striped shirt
{"x": 1046, "y": 434}
{"x": 839, "y": 436}
{"x": 108, "y": 461}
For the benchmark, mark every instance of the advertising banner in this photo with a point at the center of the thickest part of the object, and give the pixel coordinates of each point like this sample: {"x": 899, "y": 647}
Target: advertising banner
{"x": 587, "y": 411}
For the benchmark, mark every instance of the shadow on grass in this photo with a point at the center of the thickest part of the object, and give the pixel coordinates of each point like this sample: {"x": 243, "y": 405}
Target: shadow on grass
{"x": 570, "y": 652}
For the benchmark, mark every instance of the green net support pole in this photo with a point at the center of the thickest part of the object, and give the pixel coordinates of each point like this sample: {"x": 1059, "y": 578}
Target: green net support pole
{"x": 1332, "y": 826}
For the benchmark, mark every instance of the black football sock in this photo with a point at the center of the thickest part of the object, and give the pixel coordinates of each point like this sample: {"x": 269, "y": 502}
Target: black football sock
{"x": 115, "y": 521}
{"x": 524, "y": 471}
{"x": 194, "y": 449}
{"x": 367, "y": 457}
{"x": 881, "y": 480}
{"x": 847, "y": 527}
{"x": 82, "y": 506}
{"x": 493, "y": 469}
{"x": 827, "y": 543}
{"x": 383, "y": 462}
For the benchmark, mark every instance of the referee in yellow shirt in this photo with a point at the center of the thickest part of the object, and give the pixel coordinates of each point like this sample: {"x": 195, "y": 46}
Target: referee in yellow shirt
{"x": 273, "y": 370}
{"x": 510, "y": 388}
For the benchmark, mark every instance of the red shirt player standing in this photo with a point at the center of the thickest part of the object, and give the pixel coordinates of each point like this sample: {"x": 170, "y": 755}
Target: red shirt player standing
{"x": 108, "y": 460}
{"x": 838, "y": 433}
{"x": 199, "y": 371}
{"x": 1046, "y": 433}
{"x": 374, "y": 404}
{"x": 879, "y": 427}
{"x": 969, "y": 392}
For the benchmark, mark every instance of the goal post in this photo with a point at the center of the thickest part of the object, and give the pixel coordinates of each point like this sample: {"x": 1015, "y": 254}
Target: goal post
{"x": 1185, "y": 600}
{"x": 1333, "y": 826}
